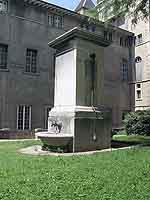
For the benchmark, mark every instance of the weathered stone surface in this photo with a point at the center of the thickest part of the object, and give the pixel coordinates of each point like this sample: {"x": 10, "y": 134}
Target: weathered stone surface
{"x": 26, "y": 26}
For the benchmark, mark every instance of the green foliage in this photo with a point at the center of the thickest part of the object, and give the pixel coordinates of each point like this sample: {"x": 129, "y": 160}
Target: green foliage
{"x": 117, "y": 175}
{"x": 138, "y": 123}
{"x": 137, "y": 139}
{"x": 92, "y": 13}
{"x": 137, "y": 9}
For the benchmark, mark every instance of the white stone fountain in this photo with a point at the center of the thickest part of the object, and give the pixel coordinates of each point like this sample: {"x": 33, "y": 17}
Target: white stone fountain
{"x": 79, "y": 120}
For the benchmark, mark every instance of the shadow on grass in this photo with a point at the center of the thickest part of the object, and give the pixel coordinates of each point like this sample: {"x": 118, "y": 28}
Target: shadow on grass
{"x": 119, "y": 141}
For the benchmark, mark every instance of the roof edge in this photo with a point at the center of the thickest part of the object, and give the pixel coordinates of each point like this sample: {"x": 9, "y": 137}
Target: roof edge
{"x": 80, "y": 33}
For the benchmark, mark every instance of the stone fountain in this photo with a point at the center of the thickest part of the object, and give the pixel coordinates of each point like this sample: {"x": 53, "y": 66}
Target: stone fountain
{"x": 79, "y": 121}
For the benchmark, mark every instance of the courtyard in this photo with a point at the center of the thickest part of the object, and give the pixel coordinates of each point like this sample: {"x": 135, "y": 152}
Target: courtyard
{"x": 116, "y": 175}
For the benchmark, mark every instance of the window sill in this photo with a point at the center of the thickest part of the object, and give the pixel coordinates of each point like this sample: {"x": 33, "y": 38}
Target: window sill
{"x": 55, "y": 27}
{"x": 31, "y": 74}
{"x": 4, "y": 70}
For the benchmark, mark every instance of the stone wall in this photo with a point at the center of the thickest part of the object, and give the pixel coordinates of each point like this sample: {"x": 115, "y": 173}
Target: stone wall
{"x": 13, "y": 134}
{"x": 143, "y": 50}
{"x": 26, "y": 26}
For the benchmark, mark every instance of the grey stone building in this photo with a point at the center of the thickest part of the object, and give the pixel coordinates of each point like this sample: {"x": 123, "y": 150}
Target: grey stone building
{"x": 141, "y": 80}
{"x": 27, "y": 67}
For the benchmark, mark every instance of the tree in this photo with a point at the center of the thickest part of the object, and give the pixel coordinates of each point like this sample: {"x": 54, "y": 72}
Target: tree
{"x": 138, "y": 9}
{"x": 138, "y": 123}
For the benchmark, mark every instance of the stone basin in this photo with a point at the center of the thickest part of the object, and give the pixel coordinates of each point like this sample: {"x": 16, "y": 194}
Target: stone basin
{"x": 54, "y": 141}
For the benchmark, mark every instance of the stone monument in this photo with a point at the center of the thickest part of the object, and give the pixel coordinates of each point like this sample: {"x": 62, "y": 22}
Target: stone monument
{"x": 79, "y": 120}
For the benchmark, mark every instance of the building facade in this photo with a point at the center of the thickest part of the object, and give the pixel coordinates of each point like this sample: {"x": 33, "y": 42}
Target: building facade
{"x": 27, "y": 63}
{"x": 141, "y": 30}
{"x": 142, "y": 61}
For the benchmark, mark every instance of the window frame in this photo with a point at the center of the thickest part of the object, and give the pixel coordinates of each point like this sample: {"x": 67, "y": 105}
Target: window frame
{"x": 139, "y": 68}
{"x": 139, "y": 89}
{"x": 124, "y": 70}
{"x": 47, "y": 109}
{"x": 3, "y": 56}
{"x": 31, "y": 61}
{"x": 139, "y": 39}
{"x": 23, "y": 117}
{"x": 52, "y": 20}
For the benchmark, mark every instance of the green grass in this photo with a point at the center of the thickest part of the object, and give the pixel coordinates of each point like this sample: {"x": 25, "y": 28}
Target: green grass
{"x": 117, "y": 175}
{"x": 133, "y": 138}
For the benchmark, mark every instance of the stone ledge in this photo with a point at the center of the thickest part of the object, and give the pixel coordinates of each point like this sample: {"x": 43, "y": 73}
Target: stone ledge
{"x": 12, "y": 134}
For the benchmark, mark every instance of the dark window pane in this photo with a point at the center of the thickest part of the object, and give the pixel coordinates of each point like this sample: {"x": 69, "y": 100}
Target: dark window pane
{"x": 3, "y": 56}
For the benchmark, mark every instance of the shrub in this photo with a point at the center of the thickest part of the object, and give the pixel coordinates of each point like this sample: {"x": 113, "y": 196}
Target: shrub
{"x": 138, "y": 123}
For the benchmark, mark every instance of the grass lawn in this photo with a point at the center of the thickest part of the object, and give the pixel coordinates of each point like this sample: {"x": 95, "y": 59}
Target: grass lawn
{"x": 133, "y": 138}
{"x": 118, "y": 175}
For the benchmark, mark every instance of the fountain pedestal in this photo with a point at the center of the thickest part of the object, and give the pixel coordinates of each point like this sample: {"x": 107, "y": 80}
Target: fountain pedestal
{"x": 79, "y": 86}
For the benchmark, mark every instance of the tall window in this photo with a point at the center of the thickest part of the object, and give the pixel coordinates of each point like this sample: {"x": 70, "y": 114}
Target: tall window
{"x": 56, "y": 21}
{"x": 124, "y": 70}
{"x": 47, "y": 110}
{"x": 31, "y": 60}
{"x": 3, "y": 56}
{"x": 108, "y": 36}
{"x": 105, "y": 35}
{"x": 138, "y": 91}
{"x": 139, "y": 68}
{"x": 3, "y": 6}
{"x": 121, "y": 41}
{"x": 51, "y": 20}
{"x": 24, "y": 117}
{"x": 139, "y": 39}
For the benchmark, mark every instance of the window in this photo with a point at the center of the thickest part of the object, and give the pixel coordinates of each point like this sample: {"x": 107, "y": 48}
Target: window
{"x": 126, "y": 41}
{"x": 47, "y": 110}
{"x": 121, "y": 41}
{"x": 87, "y": 27}
{"x": 3, "y": 56}
{"x": 107, "y": 36}
{"x": 139, "y": 39}
{"x": 24, "y": 117}
{"x": 124, "y": 70}
{"x": 31, "y": 60}
{"x": 138, "y": 59}
{"x": 51, "y": 20}
{"x": 3, "y": 6}
{"x": 110, "y": 36}
{"x": 139, "y": 68}
{"x": 138, "y": 91}
{"x": 56, "y": 21}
